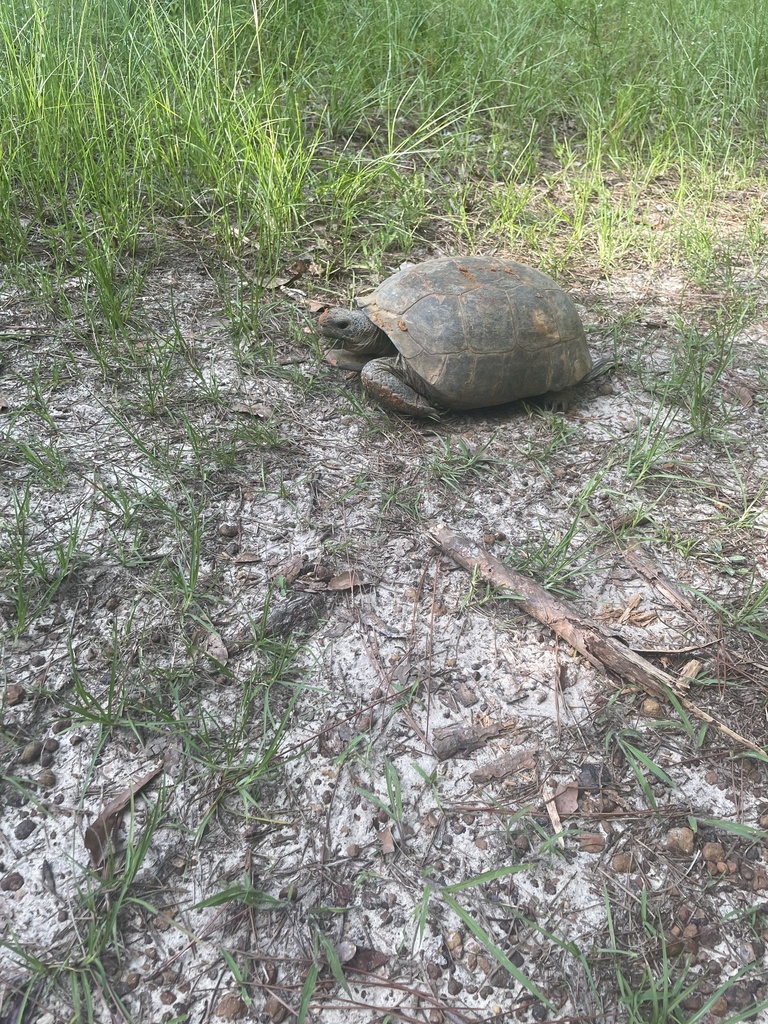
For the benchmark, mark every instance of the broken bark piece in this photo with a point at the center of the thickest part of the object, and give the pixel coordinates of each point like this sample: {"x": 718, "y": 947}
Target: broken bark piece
{"x": 296, "y": 615}
{"x": 548, "y": 796}
{"x": 461, "y": 740}
{"x": 506, "y": 765}
{"x": 605, "y": 652}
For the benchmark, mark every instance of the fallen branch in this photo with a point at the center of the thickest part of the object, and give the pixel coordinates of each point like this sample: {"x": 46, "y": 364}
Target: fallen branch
{"x": 605, "y": 652}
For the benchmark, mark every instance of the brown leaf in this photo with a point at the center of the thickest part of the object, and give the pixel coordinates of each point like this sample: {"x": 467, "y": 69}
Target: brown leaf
{"x": 744, "y": 395}
{"x": 289, "y": 569}
{"x": 5, "y": 404}
{"x": 102, "y": 833}
{"x": 567, "y": 798}
{"x": 247, "y": 557}
{"x": 259, "y": 409}
{"x": 366, "y": 960}
{"x": 345, "y": 581}
{"x": 289, "y": 275}
{"x": 386, "y": 840}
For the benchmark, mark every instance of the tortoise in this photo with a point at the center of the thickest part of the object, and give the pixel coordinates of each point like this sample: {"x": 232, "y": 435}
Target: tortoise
{"x": 460, "y": 333}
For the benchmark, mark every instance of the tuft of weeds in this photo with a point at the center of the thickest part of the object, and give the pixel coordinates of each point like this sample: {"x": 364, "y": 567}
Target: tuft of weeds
{"x": 560, "y": 559}
{"x": 455, "y": 462}
{"x": 80, "y": 968}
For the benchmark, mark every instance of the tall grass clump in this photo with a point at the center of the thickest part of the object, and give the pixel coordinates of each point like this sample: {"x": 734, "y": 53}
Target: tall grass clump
{"x": 114, "y": 115}
{"x": 241, "y": 117}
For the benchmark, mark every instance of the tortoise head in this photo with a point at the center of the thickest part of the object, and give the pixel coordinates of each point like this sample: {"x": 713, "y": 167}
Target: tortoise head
{"x": 354, "y": 331}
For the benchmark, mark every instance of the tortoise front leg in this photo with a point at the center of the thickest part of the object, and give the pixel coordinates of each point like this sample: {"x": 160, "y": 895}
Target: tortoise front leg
{"x": 382, "y": 382}
{"x": 341, "y": 359}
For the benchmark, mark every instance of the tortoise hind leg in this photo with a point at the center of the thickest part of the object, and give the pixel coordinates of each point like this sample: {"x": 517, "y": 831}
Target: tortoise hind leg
{"x": 381, "y": 380}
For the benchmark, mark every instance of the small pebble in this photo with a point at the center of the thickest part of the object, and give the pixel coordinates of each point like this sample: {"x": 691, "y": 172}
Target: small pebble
{"x": 14, "y": 694}
{"x": 623, "y": 863}
{"x": 713, "y": 851}
{"x": 12, "y": 882}
{"x": 651, "y": 707}
{"x": 680, "y": 840}
{"x": 230, "y": 1008}
{"x": 47, "y": 778}
{"x": 31, "y": 752}
{"x": 25, "y": 828}
{"x": 275, "y": 1010}
{"x": 591, "y": 842}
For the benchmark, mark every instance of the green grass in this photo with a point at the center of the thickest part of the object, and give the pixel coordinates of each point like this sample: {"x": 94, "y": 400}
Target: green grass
{"x": 116, "y": 118}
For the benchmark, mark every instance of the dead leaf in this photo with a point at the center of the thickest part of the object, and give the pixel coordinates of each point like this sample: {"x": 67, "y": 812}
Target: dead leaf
{"x": 567, "y": 797}
{"x": 744, "y": 395}
{"x": 386, "y": 840}
{"x": 289, "y": 569}
{"x": 5, "y": 404}
{"x": 289, "y": 275}
{"x": 366, "y": 960}
{"x": 258, "y": 409}
{"x": 346, "y": 580}
{"x": 247, "y": 557}
{"x": 101, "y": 835}
{"x": 214, "y": 648}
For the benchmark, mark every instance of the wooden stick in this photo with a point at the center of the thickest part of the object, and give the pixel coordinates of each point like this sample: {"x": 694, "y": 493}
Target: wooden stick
{"x": 605, "y": 652}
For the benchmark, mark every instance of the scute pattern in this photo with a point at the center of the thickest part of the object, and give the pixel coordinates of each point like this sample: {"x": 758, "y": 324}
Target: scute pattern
{"x": 481, "y": 330}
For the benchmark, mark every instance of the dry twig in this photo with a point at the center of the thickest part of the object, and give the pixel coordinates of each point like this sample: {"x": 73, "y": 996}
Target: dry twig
{"x": 605, "y": 652}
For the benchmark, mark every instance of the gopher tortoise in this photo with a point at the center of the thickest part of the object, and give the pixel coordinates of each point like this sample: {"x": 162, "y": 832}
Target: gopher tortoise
{"x": 460, "y": 333}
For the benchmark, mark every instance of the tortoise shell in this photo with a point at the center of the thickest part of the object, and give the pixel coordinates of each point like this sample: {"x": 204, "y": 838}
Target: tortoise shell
{"x": 481, "y": 330}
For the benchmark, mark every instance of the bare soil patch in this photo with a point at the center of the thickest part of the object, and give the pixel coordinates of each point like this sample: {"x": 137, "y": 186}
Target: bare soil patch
{"x": 217, "y": 564}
